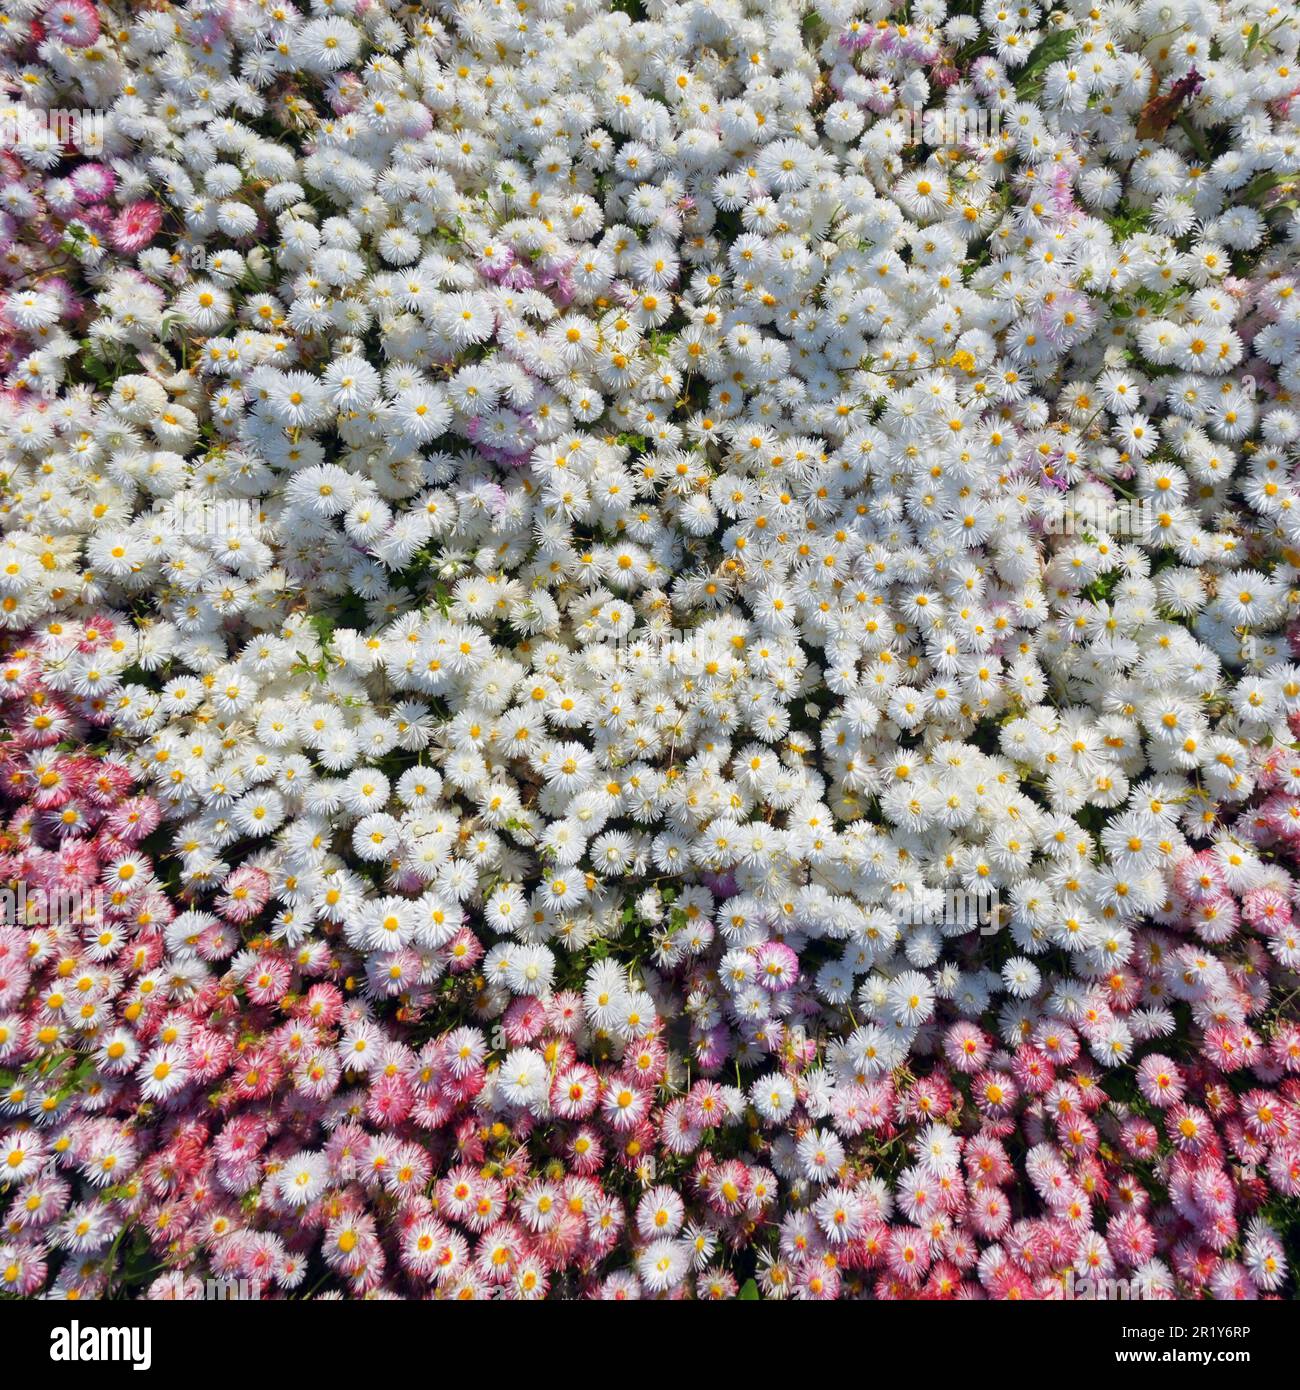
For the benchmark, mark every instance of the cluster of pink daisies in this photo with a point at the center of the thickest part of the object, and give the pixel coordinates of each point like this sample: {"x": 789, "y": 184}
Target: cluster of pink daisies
{"x": 259, "y": 1122}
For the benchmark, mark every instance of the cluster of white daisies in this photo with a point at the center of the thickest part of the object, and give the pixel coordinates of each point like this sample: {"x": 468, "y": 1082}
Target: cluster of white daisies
{"x": 656, "y": 504}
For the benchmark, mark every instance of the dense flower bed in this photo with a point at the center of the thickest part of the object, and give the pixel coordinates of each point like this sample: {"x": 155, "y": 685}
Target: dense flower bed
{"x": 633, "y": 668}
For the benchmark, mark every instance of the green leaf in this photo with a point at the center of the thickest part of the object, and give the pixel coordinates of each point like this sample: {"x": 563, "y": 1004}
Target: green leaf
{"x": 1196, "y": 140}
{"x": 748, "y": 1292}
{"x": 1265, "y": 183}
{"x": 1102, "y": 587}
{"x": 1051, "y": 50}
